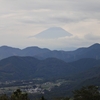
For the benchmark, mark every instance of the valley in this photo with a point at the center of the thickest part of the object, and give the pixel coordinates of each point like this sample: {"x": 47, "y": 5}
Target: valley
{"x": 51, "y": 75}
{"x": 35, "y": 86}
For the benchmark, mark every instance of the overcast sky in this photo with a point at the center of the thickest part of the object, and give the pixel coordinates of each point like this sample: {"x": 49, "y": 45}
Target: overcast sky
{"x": 20, "y": 19}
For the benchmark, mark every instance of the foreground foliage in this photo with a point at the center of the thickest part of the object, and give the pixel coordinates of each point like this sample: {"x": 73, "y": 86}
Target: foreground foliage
{"x": 17, "y": 95}
{"x": 87, "y": 93}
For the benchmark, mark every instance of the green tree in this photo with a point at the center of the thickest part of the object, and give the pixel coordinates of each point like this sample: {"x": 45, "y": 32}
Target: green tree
{"x": 42, "y": 98}
{"x": 66, "y": 98}
{"x": 4, "y": 97}
{"x": 87, "y": 93}
{"x": 18, "y": 95}
{"x": 62, "y": 98}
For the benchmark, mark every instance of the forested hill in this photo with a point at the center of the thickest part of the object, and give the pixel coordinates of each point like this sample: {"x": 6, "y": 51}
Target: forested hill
{"x": 17, "y": 68}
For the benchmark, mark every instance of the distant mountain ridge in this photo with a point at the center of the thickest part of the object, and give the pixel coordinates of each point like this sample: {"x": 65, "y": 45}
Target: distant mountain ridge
{"x": 43, "y": 53}
{"x": 6, "y": 51}
{"x": 69, "y": 56}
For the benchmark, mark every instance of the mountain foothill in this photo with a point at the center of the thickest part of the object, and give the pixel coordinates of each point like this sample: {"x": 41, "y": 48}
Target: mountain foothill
{"x": 81, "y": 65}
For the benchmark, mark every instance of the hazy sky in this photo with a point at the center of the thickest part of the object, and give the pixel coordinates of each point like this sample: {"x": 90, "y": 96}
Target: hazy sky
{"x": 20, "y": 19}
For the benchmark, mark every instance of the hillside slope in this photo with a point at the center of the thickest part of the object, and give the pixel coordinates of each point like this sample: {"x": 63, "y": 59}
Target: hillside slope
{"x": 17, "y": 68}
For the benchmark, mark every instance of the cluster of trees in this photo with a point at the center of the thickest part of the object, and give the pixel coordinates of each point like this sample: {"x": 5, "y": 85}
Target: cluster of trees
{"x": 85, "y": 93}
{"x": 17, "y": 95}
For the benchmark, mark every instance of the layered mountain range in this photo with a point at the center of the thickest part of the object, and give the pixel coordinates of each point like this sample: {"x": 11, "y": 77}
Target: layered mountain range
{"x": 81, "y": 66}
{"x": 34, "y": 62}
{"x": 43, "y": 53}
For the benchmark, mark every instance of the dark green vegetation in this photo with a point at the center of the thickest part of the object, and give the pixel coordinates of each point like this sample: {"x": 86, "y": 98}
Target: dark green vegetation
{"x": 17, "y": 95}
{"x": 54, "y": 74}
{"x": 87, "y": 93}
{"x": 19, "y": 68}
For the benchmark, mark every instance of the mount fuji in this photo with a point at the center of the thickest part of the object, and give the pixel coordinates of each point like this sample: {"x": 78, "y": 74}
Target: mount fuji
{"x": 52, "y": 33}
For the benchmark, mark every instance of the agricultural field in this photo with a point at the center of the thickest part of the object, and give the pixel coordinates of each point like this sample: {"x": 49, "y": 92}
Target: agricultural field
{"x": 35, "y": 86}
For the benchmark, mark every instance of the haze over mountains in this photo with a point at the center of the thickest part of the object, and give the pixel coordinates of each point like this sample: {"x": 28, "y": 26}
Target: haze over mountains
{"x": 43, "y": 53}
{"x": 48, "y": 61}
{"x": 61, "y": 66}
